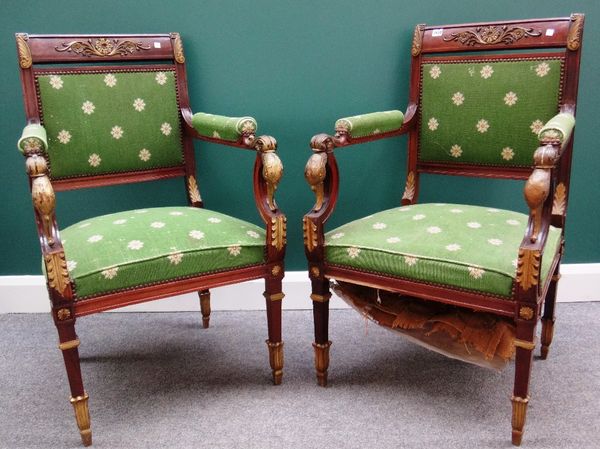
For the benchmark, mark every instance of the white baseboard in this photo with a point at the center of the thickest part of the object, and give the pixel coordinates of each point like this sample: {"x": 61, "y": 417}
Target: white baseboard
{"x": 27, "y": 294}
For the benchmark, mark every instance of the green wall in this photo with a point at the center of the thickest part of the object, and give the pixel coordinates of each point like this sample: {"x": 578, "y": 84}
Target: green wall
{"x": 296, "y": 66}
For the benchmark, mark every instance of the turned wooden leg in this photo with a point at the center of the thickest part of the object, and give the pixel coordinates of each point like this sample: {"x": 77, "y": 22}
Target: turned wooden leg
{"x": 205, "y": 307}
{"x": 525, "y": 345}
{"x": 274, "y": 297}
{"x": 320, "y": 297}
{"x": 548, "y": 317}
{"x": 69, "y": 344}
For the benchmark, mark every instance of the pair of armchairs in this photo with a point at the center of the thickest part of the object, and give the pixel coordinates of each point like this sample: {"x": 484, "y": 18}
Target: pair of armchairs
{"x": 490, "y": 115}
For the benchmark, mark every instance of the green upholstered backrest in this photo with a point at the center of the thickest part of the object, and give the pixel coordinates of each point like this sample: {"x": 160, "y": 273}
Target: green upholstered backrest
{"x": 110, "y": 121}
{"x": 486, "y": 111}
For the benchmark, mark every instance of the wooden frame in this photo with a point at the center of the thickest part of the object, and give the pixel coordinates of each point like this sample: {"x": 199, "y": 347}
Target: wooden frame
{"x": 546, "y": 192}
{"x": 160, "y": 51}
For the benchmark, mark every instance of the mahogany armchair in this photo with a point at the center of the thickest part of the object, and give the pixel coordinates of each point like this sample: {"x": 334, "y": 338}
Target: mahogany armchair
{"x": 105, "y": 110}
{"x": 505, "y": 112}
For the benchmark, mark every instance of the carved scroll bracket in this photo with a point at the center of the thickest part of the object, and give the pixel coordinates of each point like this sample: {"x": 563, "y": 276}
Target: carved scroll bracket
{"x": 417, "y": 40}
{"x": 42, "y": 193}
{"x": 25, "y": 59}
{"x": 537, "y": 186}
{"x": 574, "y": 36}
{"x": 272, "y": 169}
{"x": 177, "y": 48}
{"x": 315, "y": 172}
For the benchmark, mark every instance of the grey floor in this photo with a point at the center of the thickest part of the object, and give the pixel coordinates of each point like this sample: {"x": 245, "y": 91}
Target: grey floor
{"x": 159, "y": 380}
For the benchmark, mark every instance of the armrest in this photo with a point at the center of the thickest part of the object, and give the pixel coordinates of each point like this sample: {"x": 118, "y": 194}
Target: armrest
{"x": 370, "y": 124}
{"x": 558, "y": 129}
{"x": 222, "y": 127}
{"x": 33, "y": 145}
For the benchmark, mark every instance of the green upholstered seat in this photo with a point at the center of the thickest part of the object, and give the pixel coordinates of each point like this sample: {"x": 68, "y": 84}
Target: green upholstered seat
{"x": 466, "y": 247}
{"x": 139, "y": 247}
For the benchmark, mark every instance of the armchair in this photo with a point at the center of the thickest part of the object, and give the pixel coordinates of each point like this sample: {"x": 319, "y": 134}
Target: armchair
{"x": 497, "y": 114}
{"x": 105, "y": 110}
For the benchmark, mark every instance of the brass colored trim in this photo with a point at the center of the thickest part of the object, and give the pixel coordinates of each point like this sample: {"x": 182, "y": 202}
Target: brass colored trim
{"x": 574, "y": 36}
{"x": 491, "y": 35}
{"x": 276, "y": 360}
{"x": 519, "y": 414}
{"x": 69, "y": 344}
{"x": 528, "y": 268}
{"x": 409, "y": 190}
{"x": 320, "y": 298}
{"x": 25, "y": 60}
{"x": 278, "y": 226}
{"x": 525, "y": 344}
{"x": 102, "y": 47}
{"x": 82, "y": 416}
{"x": 56, "y": 271}
{"x": 315, "y": 173}
{"x": 63, "y": 314}
{"x": 322, "y": 361}
{"x": 193, "y": 190}
{"x": 205, "y": 308}
{"x": 310, "y": 234}
{"x": 315, "y": 271}
{"x": 276, "y": 270}
{"x": 275, "y": 296}
{"x": 526, "y": 313}
{"x": 272, "y": 171}
{"x": 178, "y": 48}
{"x": 417, "y": 40}
{"x": 560, "y": 199}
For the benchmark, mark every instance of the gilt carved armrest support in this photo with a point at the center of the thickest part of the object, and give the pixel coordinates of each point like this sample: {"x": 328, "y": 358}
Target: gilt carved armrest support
{"x": 33, "y": 145}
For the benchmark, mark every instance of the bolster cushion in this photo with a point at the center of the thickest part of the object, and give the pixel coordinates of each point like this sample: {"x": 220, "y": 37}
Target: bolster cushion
{"x": 222, "y": 127}
{"x": 558, "y": 127}
{"x": 370, "y": 124}
{"x": 33, "y": 135}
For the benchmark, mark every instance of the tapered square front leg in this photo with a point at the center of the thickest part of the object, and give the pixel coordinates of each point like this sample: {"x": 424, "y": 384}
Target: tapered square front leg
{"x": 320, "y": 298}
{"x": 205, "y": 307}
{"x": 274, "y": 298}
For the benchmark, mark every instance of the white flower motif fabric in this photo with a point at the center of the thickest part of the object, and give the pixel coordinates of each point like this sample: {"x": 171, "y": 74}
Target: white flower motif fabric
{"x": 353, "y": 252}
{"x": 456, "y": 151}
{"x": 110, "y": 80}
{"x": 214, "y": 220}
{"x": 144, "y": 155}
{"x": 139, "y": 104}
{"x": 116, "y": 132}
{"x": 474, "y": 225}
{"x": 88, "y": 107}
{"x": 95, "y": 238}
{"x": 175, "y": 258}
{"x": 507, "y": 153}
{"x": 510, "y": 99}
{"x": 161, "y": 78}
{"x": 453, "y": 247}
{"x": 135, "y": 245}
{"x": 542, "y": 69}
{"x": 476, "y": 273}
{"x": 158, "y": 224}
{"x": 110, "y": 273}
{"x": 482, "y": 126}
{"x": 495, "y": 242}
{"x": 435, "y": 72}
{"x": 197, "y": 235}
{"x": 71, "y": 264}
{"x": 434, "y": 229}
{"x": 418, "y": 217}
{"x": 94, "y": 160}
{"x": 338, "y": 235}
{"x": 433, "y": 124}
{"x": 56, "y": 82}
{"x": 120, "y": 221}
{"x": 393, "y": 239}
{"x": 64, "y": 137}
{"x": 458, "y": 98}
{"x": 379, "y": 226}
{"x": 253, "y": 234}
{"x": 486, "y": 72}
{"x": 165, "y": 128}
{"x": 234, "y": 250}
{"x": 536, "y": 126}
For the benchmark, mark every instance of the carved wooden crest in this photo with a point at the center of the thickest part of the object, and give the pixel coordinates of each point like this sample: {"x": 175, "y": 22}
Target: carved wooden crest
{"x": 492, "y": 34}
{"x": 102, "y": 47}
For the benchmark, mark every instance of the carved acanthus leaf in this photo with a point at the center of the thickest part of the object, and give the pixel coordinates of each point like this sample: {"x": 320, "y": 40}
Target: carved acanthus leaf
{"x": 272, "y": 172}
{"x": 560, "y": 200}
{"x": 315, "y": 172}
{"x": 56, "y": 271}
{"x": 492, "y": 34}
{"x": 528, "y": 268}
{"x": 310, "y": 234}
{"x": 417, "y": 40}
{"x": 25, "y": 60}
{"x": 193, "y": 190}
{"x": 574, "y": 36}
{"x": 409, "y": 190}
{"x": 178, "y": 48}
{"x": 278, "y": 228}
{"x": 102, "y": 47}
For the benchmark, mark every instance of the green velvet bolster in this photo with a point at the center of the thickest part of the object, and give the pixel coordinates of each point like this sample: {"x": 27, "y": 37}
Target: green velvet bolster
{"x": 370, "y": 124}
{"x": 558, "y": 127}
{"x": 35, "y": 132}
{"x": 223, "y": 127}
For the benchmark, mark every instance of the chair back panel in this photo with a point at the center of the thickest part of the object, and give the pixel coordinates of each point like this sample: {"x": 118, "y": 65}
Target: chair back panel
{"x": 110, "y": 120}
{"x": 486, "y": 111}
